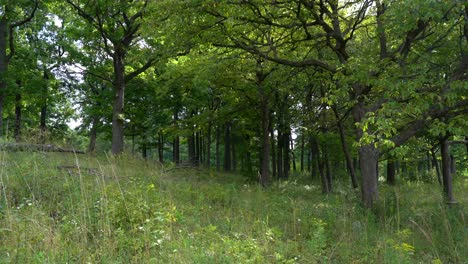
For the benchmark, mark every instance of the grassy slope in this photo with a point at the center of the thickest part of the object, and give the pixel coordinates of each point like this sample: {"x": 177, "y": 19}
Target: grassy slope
{"x": 132, "y": 212}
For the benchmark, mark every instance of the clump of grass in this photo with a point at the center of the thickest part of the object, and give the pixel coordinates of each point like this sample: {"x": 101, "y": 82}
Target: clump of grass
{"x": 128, "y": 210}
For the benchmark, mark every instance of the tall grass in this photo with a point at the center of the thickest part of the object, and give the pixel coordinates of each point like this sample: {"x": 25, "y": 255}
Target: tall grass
{"x": 126, "y": 210}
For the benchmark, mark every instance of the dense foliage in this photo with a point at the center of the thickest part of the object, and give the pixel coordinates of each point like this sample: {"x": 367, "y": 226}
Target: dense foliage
{"x": 337, "y": 90}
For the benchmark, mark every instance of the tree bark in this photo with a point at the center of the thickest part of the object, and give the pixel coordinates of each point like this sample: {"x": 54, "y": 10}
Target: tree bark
{"x": 118, "y": 118}
{"x": 93, "y": 134}
{"x": 368, "y": 160}
{"x": 391, "y": 172}
{"x": 446, "y": 174}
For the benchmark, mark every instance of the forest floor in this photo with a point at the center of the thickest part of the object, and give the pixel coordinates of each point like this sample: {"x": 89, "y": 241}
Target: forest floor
{"x": 61, "y": 208}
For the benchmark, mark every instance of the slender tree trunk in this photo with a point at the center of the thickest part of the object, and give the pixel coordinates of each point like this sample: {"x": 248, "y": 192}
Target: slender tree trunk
{"x": 265, "y": 167}
{"x": 435, "y": 162}
{"x": 323, "y": 175}
{"x": 118, "y": 118}
{"x": 391, "y": 172}
{"x": 18, "y": 116}
{"x": 144, "y": 148}
{"x": 227, "y": 147}
{"x": 161, "y": 147}
{"x": 191, "y": 148}
{"x": 217, "y": 152}
{"x": 272, "y": 148}
{"x": 3, "y": 66}
{"x": 43, "y": 125}
{"x": 315, "y": 158}
{"x": 176, "y": 142}
{"x": 302, "y": 152}
{"x": 344, "y": 145}
{"x": 453, "y": 163}
{"x": 197, "y": 152}
{"x": 279, "y": 154}
{"x": 233, "y": 155}
{"x": 208, "y": 146}
{"x": 293, "y": 156}
{"x": 446, "y": 174}
{"x": 286, "y": 154}
{"x": 93, "y": 134}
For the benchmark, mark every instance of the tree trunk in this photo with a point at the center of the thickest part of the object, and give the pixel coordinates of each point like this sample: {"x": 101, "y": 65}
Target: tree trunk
{"x": 446, "y": 174}
{"x": 435, "y": 162}
{"x": 293, "y": 156}
{"x": 233, "y": 155}
{"x": 144, "y": 149}
{"x": 118, "y": 118}
{"x": 323, "y": 176}
{"x": 272, "y": 148}
{"x": 18, "y": 116}
{"x": 314, "y": 150}
{"x": 265, "y": 167}
{"x": 391, "y": 172}
{"x": 161, "y": 147}
{"x": 344, "y": 145}
{"x": 227, "y": 147}
{"x": 368, "y": 160}
{"x": 93, "y": 134}
{"x": 176, "y": 141}
{"x": 302, "y": 152}
{"x": 43, "y": 125}
{"x": 197, "y": 157}
{"x": 453, "y": 163}
{"x": 191, "y": 148}
{"x": 208, "y": 146}
{"x": 217, "y": 153}
{"x": 286, "y": 154}
{"x": 279, "y": 154}
{"x": 3, "y": 66}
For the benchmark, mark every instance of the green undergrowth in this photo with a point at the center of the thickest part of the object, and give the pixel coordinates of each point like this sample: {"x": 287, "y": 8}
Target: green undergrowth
{"x": 124, "y": 210}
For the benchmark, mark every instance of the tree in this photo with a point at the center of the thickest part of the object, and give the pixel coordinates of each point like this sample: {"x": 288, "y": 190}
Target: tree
{"x": 118, "y": 25}
{"x": 12, "y": 16}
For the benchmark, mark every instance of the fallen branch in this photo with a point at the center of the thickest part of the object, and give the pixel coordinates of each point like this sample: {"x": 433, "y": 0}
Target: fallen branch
{"x": 37, "y": 147}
